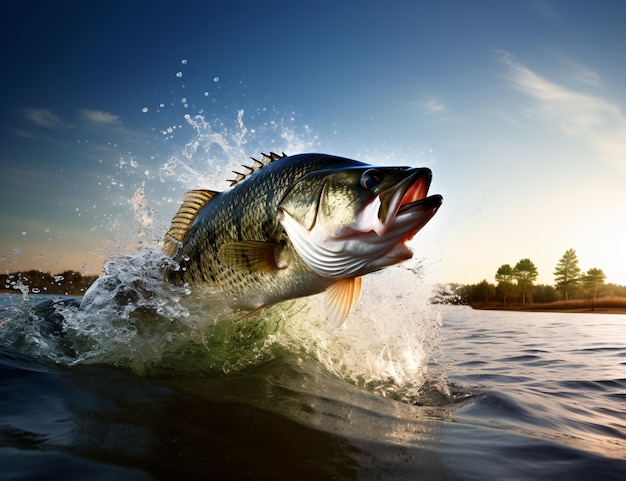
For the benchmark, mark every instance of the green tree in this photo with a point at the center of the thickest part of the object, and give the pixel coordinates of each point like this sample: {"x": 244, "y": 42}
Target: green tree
{"x": 483, "y": 291}
{"x": 505, "y": 277}
{"x": 567, "y": 273}
{"x": 525, "y": 273}
{"x": 593, "y": 279}
{"x": 544, "y": 293}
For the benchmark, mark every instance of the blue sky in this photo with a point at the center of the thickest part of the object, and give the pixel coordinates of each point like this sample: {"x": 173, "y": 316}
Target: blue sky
{"x": 111, "y": 110}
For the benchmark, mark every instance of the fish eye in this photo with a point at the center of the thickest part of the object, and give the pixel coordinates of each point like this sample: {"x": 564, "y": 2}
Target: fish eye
{"x": 370, "y": 179}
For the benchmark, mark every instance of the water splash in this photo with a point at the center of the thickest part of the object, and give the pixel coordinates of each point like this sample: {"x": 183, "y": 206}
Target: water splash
{"x": 386, "y": 343}
{"x": 134, "y": 319}
{"x": 142, "y": 212}
{"x": 138, "y": 320}
{"x": 215, "y": 148}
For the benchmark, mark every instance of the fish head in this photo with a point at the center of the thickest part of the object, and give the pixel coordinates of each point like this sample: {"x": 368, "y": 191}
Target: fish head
{"x": 346, "y": 222}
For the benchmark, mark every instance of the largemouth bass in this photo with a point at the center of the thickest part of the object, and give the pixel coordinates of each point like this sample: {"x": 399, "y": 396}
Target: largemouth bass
{"x": 295, "y": 226}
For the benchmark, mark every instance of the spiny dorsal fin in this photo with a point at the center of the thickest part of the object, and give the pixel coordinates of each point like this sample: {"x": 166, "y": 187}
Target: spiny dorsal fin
{"x": 193, "y": 201}
{"x": 249, "y": 170}
{"x": 341, "y": 297}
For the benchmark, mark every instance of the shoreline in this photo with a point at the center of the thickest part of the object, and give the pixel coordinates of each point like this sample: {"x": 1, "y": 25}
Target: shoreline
{"x": 574, "y": 310}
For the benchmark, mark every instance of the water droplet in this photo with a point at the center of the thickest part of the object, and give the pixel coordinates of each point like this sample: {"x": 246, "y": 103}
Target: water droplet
{"x": 144, "y": 110}
{"x": 184, "y": 61}
{"x": 216, "y": 79}
{"x": 47, "y": 229}
{"x": 17, "y": 251}
{"x": 23, "y": 233}
{"x": 206, "y": 94}
{"x": 179, "y": 74}
{"x": 183, "y": 100}
{"x": 162, "y": 105}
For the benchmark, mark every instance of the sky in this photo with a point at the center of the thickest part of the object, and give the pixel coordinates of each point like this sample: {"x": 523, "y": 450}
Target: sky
{"x": 110, "y": 111}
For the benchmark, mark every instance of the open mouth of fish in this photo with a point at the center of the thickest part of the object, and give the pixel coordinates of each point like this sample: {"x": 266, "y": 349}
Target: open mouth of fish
{"x": 400, "y": 211}
{"x": 392, "y": 218}
{"x": 415, "y": 207}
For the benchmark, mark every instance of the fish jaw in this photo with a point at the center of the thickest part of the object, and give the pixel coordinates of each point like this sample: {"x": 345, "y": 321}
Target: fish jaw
{"x": 378, "y": 236}
{"x": 407, "y": 222}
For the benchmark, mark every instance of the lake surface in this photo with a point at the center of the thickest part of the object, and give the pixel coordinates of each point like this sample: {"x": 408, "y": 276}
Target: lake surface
{"x": 400, "y": 392}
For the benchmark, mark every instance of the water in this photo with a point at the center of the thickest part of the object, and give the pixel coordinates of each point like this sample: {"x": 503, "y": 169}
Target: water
{"x": 147, "y": 380}
{"x": 458, "y": 394}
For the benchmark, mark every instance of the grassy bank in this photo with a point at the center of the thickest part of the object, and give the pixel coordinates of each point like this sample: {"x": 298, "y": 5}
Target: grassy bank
{"x": 603, "y": 305}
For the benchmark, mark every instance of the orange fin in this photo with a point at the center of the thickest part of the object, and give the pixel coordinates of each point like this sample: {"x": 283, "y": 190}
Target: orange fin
{"x": 341, "y": 297}
{"x": 257, "y": 256}
{"x": 193, "y": 201}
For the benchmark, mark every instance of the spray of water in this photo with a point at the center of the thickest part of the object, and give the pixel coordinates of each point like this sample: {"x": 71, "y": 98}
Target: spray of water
{"x": 133, "y": 318}
{"x": 387, "y": 341}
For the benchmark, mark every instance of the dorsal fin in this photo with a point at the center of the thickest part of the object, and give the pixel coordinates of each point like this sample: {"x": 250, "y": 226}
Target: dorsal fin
{"x": 193, "y": 201}
{"x": 249, "y": 170}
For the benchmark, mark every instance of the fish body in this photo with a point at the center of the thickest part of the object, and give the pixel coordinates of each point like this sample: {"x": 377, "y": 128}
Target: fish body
{"x": 295, "y": 226}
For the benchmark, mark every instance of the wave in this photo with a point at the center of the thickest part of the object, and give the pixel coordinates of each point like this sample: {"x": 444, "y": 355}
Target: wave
{"x": 131, "y": 318}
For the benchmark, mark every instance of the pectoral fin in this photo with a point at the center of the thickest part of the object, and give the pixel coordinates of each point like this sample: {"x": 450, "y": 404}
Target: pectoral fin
{"x": 341, "y": 297}
{"x": 254, "y": 255}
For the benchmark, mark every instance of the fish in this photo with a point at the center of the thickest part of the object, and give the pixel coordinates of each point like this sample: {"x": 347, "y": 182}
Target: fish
{"x": 294, "y": 226}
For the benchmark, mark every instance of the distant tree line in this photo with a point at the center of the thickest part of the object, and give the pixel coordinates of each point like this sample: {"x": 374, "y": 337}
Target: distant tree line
{"x": 516, "y": 285}
{"x": 38, "y": 282}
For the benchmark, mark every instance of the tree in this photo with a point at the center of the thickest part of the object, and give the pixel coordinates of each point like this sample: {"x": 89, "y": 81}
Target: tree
{"x": 525, "y": 273}
{"x": 483, "y": 291}
{"x": 505, "y": 276}
{"x": 567, "y": 273}
{"x": 544, "y": 293}
{"x": 593, "y": 279}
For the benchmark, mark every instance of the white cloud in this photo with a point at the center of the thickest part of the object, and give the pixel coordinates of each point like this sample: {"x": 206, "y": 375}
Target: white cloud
{"x": 580, "y": 73}
{"x": 591, "y": 118}
{"x": 25, "y": 134}
{"x": 99, "y": 116}
{"x": 430, "y": 106}
{"x": 43, "y": 118}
